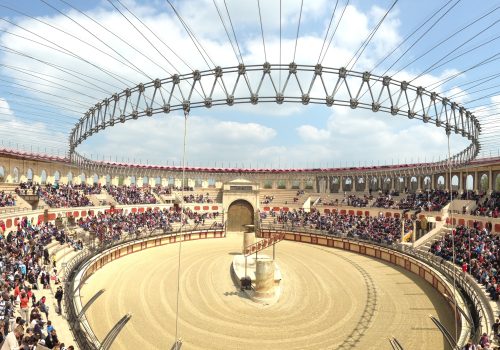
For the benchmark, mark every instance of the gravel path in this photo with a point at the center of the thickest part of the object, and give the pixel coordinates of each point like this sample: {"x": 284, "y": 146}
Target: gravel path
{"x": 330, "y": 299}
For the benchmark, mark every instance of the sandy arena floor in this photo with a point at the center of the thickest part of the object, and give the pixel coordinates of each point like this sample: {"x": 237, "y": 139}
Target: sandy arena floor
{"x": 331, "y": 299}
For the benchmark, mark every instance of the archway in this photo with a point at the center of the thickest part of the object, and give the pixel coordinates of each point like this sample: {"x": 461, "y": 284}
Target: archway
{"x": 440, "y": 183}
{"x": 469, "y": 183}
{"x": 43, "y": 177}
{"x": 15, "y": 174}
{"x": 2, "y": 174}
{"x": 29, "y": 175}
{"x": 497, "y": 183}
{"x": 70, "y": 178}
{"x": 348, "y": 184}
{"x": 57, "y": 176}
{"x": 454, "y": 183}
{"x": 427, "y": 183}
{"x": 239, "y": 214}
{"x": 483, "y": 183}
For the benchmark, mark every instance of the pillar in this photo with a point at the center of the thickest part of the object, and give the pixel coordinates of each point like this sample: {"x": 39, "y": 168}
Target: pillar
{"x": 248, "y": 239}
{"x": 490, "y": 181}
{"x": 475, "y": 187}
{"x": 461, "y": 183}
{"x": 264, "y": 278}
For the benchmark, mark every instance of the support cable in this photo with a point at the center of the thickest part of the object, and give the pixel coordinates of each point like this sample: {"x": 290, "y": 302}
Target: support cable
{"x": 434, "y": 13}
{"x": 116, "y": 36}
{"x": 279, "y": 84}
{"x": 227, "y": 32}
{"x": 452, "y": 240}
{"x": 328, "y": 30}
{"x": 262, "y": 30}
{"x": 186, "y": 115}
{"x": 234, "y": 32}
{"x": 335, "y": 30}
{"x": 298, "y": 29}
{"x": 365, "y": 43}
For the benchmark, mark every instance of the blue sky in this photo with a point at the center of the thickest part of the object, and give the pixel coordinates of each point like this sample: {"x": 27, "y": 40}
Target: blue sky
{"x": 32, "y": 118}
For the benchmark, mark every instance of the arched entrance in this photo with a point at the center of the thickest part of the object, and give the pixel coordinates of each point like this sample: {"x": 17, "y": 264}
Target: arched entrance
{"x": 240, "y": 213}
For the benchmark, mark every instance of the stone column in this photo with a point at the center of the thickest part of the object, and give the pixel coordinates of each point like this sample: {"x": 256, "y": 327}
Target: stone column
{"x": 490, "y": 181}
{"x": 264, "y": 278}
{"x": 248, "y": 239}
{"x": 475, "y": 187}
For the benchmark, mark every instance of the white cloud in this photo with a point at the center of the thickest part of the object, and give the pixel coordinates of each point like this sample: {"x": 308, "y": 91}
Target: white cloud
{"x": 311, "y": 133}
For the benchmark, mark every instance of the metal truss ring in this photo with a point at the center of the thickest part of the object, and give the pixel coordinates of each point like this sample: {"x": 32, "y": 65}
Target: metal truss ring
{"x": 305, "y": 84}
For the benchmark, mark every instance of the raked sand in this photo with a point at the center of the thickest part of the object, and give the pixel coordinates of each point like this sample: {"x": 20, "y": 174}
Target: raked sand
{"x": 331, "y": 299}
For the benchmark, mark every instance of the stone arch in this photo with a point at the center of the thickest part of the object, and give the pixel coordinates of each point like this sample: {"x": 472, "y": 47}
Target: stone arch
{"x": 483, "y": 183}
{"x": 70, "y": 178}
{"x": 57, "y": 176}
{"x": 374, "y": 185}
{"x": 469, "y": 182}
{"x": 440, "y": 182}
{"x": 108, "y": 180}
{"x": 198, "y": 183}
{"x": 348, "y": 184}
{"x": 309, "y": 184}
{"x": 455, "y": 183}
{"x": 360, "y": 183}
{"x": 427, "y": 183}
{"x": 171, "y": 181}
{"x": 400, "y": 184}
{"x": 29, "y": 174}
{"x": 157, "y": 181}
{"x": 239, "y": 214}
{"x": 386, "y": 186}
{"x": 132, "y": 180}
{"x": 211, "y": 183}
{"x": 413, "y": 184}
{"x": 83, "y": 178}
{"x": 497, "y": 182}
{"x": 15, "y": 175}
{"x": 335, "y": 184}
{"x": 43, "y": 177}
{"x": 2, "y": 173}
{"x": 95, "y": 179}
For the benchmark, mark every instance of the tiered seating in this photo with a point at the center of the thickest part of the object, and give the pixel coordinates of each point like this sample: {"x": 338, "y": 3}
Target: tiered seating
{"x": 489, "y": 206}
{"x": 28, "y": 280}
{"x": 477, "y": 251}
{"x": 433, "y": 200}
{"x": 113, "y": 226}
{"x": 7, "y": 199}
{"x": 131, "y": 194}
{"x": 60, "y": 196}
{"x": 280, "y": 198}
{"x": 380, "y": 229}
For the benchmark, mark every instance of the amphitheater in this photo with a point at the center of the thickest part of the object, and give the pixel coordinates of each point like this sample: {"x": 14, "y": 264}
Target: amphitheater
{"x": 168, "y": 255}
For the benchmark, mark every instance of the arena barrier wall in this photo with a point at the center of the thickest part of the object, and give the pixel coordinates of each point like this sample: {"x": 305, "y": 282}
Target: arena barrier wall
{"x": 409, "y": 263}
{"x": 88, "y": 262}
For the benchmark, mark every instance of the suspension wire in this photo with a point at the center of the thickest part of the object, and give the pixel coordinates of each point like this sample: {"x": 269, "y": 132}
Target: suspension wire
{"x": 279, "y": 84}
{"x": 68, "y": 71}
{"x": 20, "y": 99}
{"x": 435, "y": 64}
{"x": 129, "y": 65}
{"x": 56, "y": 85}
{"x": 447, "y": 38}
{"x": 328, "y": 30}
{"x": 434, "y": 13}
{"x": 32, "y": 109}
{"x": 365, "y": 43}
{"x": 138, "y": 31}
{"x": 227, "y": 32}
{"x": 467, "y": 92}
{"x": 479, "y": 81}
{"x": 40, "y": 119}
{"x": 38, "y": 116}
{"x": 71, "y": 53}
{"x": 116, "y": 36}
{"x": 168, "y": 47}
{"x": 186, "y": 115}
{"x": 452, "y": 241}
{"x": 37, "y": 75}
{"x": 262, "y": 31}
{"x": 298, "y": 29}
{"x": 29, "y": 88}
{"x": 335, "y": 30}
{"x": 234, "y": 32}
{"x": 447, "y": 79}
{"x": 159, "y": 39}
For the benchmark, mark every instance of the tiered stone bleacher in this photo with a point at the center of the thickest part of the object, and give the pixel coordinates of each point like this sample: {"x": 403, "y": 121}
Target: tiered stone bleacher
{"x": 131, "y": 194}
{"x": 60, "y": 196}
{"x": 433, "y": 200}
{"x": 379, "y": 229}
{"x": 488, "y": 205}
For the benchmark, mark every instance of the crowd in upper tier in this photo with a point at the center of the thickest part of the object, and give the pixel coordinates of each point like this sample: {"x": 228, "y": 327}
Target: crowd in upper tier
{"x": 7, "y": 199}
{"x": 380, "y": 229}
{"x": 431, "y": 200}
{"x": 477, "y": 251}
{"x": 131, "y": 194}
{"x": 59, "y": 195}
{"x": 488, "y": 205}
{"x": 116, "y": 225}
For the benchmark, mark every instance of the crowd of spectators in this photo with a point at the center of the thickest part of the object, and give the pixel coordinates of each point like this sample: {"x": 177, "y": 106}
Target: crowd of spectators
{"x": 116, "y": 225}
{"x": 26, "y": 272}
{"x": 268, "y": 199}
{"x": 7, "y": 199}
{"x": 58, "y": 195}
{"x": 477, "y": 251}
{"x": 198, "y": 198}
{"x": 488, "y": 206}
{"x": 131, "y": 194}
{"x": 429, "y": 200}
{"x": 162, "y": 190}
{"x": 380, "y": 229}
{"x": 350, "y": 200}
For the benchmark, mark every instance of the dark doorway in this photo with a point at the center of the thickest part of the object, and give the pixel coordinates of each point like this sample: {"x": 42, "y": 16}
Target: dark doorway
{"x": 240, "y": 213}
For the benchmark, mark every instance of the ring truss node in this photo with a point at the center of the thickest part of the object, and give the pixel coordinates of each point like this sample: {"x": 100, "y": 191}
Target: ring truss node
{"x": 305, "y": 84}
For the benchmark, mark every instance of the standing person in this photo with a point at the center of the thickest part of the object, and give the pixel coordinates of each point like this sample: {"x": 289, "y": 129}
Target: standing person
{"x": 44, "y": 307}
{"x": 11, "y": 340}
{"x": 24, "y": 305}
{"x": 59, "y": 295}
